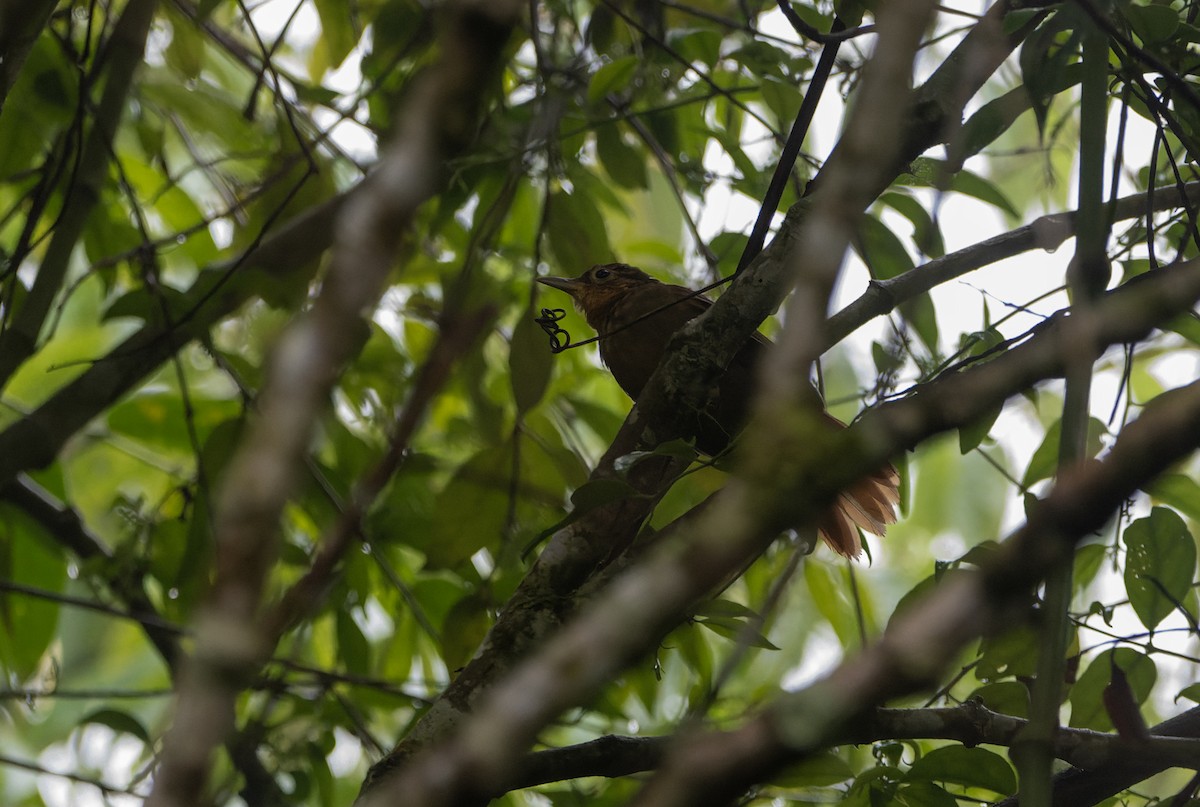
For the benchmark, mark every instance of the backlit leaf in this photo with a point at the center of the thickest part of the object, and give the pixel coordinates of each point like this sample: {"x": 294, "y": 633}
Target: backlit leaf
{"x": 1087, "y": 694}
{"x": 970, "y": 767}
{"x": 1160, "y": 564}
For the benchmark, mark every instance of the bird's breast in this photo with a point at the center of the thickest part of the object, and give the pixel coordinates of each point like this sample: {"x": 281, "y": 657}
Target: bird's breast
{"x": 634, "y": 335}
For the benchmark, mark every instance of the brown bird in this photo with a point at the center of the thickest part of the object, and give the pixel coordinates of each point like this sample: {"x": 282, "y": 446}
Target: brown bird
{"x": 615, "y": 297}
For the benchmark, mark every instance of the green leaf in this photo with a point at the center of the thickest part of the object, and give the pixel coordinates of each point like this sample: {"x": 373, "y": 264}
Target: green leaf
{"x": 1044, "y": 462}
{"x": 831, "y": 594}
{"x": 881, "y": 250}
{"x": 1015, "y": 20}
{"x": 885, "y": 256}
{"x": 463, "y": 630}
{"x": 199, "y": 105}
{"x": 472, "y": 511}
{"x": 886, "y": 360}
{"x": 728, "y": 247}
{"x": 1191, "y": 692}
{"x": 577, "y": 234}
{"x": 529, "y": 362}
{"x": 160, "y": 418}
{"x": 611, "y": 78}
{"x": 971, "y": 767}
{"x": 697, "y": 44}
{"x": 598, "y": 492}
{"x": 676, "y": 449}
{"x": 995, "y": 117}
{"x": 1121, "y": 707}
{"x": 1186, "y": 325}
{"x": 760, "y": 58}
{"x": 1005, "y": 697}
{"x": 956, "y": 493}
{"x": 1087, "y": 694}
{"x": 600, "y": 419}
{"x": 27, "y": 623}
{"x": 186, "y": 51}
{"x": 820, "y": 770}
{"x": 1043, "y": 58}
{"x": 337, "y": 39}
{"x": 1088, "y": 561}
{"x": 41, "y": 99}
{"x": 737, "y": 630}
{"x": 108, "y": 233}
{"x": 924, "y": 794}
{"x": 1160, "y": 564}
{"x": 119, "y": 721}
{"x": 1177, "y": 490}
{"x": 920, "y": 313}
{"x": 1011, "y": 654}
{"x": 971, "y": 435}
{"x": 992, "y": 120}
{"x": 204, "y": 8}
{"x": 981, "y": 554}
{"x": 926, "y": 234}
{"x": 977, "y": 187}
{"x": 851, "y": 11}
{"x": 782, "y": 97}
{"x": 913, "y": 596}
{"x": 353, "y": 649}
{"x": 1153, "y": 24}
{"x": 624, "y": 163}
{"x": 725, "y": 608}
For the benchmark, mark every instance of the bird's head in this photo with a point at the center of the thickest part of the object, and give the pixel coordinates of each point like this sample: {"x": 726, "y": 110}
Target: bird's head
{"x": 599, "y": 286}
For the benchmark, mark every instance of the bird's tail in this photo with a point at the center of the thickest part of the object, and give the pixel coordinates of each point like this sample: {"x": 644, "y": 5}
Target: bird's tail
{"x": 869, "y": 503}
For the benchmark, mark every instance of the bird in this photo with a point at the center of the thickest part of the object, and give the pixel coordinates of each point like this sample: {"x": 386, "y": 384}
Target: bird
{"x": 635, "y": 316}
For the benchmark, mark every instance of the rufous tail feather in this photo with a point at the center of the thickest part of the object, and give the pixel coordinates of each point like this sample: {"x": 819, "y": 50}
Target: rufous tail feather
{"x": 869, "y": 504}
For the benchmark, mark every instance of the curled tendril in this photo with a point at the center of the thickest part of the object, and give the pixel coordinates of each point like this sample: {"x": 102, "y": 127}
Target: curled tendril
{"x": 560, "y": 340}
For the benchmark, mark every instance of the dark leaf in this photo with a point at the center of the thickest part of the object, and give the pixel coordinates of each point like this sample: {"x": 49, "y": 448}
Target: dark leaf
{"x": 1160, "y": 564}
{"x": 611, "y": 78}
{"x": 354, "y": 652}
{"x": 621, "y": 161}
{"x": 1087, "y": 695}
{"x": 970, "y": 767}
{"x": 737, "y": 630}
{"x": 463, "y": 631}
{"x": 1044, "y": 462}
{"x": 119, "y": 721}
{"x": 530, "y": 363}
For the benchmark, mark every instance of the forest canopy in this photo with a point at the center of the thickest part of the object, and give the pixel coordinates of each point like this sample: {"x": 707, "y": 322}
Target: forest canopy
{"x": 310, "y": 494}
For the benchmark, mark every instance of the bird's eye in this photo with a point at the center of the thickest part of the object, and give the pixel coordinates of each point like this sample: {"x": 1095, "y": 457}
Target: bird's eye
{"x": 600, "y": 274}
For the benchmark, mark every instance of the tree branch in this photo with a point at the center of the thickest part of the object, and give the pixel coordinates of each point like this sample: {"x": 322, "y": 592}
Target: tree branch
{"x": 457, "y": 334}
{"x": 64, "y": 525}
{"x": 35, "y": 440}
{"x": 922, "y": 641}
{"x": 1082, "y": 787}
{"x": 123, "y": 55}
{"x": 544, "y": 598}
{"x": 971, "y": 724}
{"x": 67, "y": 528}
{"x": 632, "y": 614}
{"x": 438, "y": 122}
{"x": 1048, "y": 233}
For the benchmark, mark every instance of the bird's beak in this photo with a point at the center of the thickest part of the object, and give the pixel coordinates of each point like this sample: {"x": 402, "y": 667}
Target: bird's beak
{"x": 571, "y": 285}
